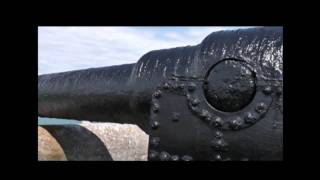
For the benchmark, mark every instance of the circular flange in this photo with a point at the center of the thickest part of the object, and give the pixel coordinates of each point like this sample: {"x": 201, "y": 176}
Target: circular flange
{"x": 230, "y": 85}
{"x": 248, "y": 98}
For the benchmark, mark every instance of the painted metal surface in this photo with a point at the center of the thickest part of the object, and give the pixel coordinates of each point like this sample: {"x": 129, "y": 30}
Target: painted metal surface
{"x": 219, "y": 100}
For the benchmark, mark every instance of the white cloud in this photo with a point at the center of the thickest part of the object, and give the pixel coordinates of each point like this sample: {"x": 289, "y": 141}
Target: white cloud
{"x": 70, "y": 48}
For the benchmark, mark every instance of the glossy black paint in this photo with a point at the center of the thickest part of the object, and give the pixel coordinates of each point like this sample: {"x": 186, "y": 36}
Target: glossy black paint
{"x": 202, "y": 104}
{"x": 230, "y": 85}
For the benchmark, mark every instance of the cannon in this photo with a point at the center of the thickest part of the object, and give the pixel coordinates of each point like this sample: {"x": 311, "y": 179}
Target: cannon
{"x": 219, "y": 100}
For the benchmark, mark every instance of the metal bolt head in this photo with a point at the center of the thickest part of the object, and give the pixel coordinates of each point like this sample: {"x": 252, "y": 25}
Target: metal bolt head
{"x": 154, "y": 141}
{"x": 166, "y": 86}
{"x": 204, "y": 114}
{"x": 187, "y": 158}
{"x": 175, "y": 117}
{"x": 195, "y": 102}
{"x": 153, "y": 155}
{"x": 175, "y": 158}
{"x": 218, "y": 157}
{"x": 188, "y": 97}
{"x": 250, "y": 118}
{"x": 195, "y": 109}
{"x": 156, "y": 108}
{"x": 267, "y": 90}
{"x": 218, "y": 134}
{"x": 155, "y": 124}
{"x": 208, "y": 119}
{"x": 164, "y": 156}
{"x": 191, "y": 87}
{"x": 261, "y": 108}
{"x": 157, "y": 94}
{"x": 219, "y": 145}
{"x": 218, "y": 122}
{"x": 236, "y": 124}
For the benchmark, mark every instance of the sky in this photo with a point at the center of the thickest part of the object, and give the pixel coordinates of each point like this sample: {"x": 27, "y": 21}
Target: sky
{"x": 70, "y": 48}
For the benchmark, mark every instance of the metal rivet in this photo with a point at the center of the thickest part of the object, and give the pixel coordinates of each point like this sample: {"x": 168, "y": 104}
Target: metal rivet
{"x": 261, "y": 107}
{"x": 195, "y": 102}
{"x": 153, "y": 155}
{"x": 188, "y": 97}
{"x": 166, "y": 86}
{"x": 155, "y": 124}
{"x": 175, "y": 116}
{"x": 218, "y": 122}
{"x": 218, "y": 134}
{"x": 218, "y": 157}
{"x": 236, "y": 123}
{"x": 274, "y": 125}
{"x": 157, "y": 94}
{"x": 175, "y": 158}
{"x": 155, "y": 141}
{"x": 195, "y": 109}
{"x": 267, "y": 90}
{"x": 204, "y": 114}
{"x": 208, "y": 119}
{"x": 219, "y": 145}
{"x": 192, "y": 87}
{"x": 187, "y": 158}
{"x": 250, "y": 118}
{"x": 164, "y": 156}
{"x": 156, "y": 107}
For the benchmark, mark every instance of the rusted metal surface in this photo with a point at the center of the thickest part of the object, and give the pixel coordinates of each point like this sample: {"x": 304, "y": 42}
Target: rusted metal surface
{"x": 218, "y": 100}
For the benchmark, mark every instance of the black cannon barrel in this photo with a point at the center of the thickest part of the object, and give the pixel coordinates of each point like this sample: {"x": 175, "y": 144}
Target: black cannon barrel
{"x": 97, "y": 94}
{"x": 123, "y": 93}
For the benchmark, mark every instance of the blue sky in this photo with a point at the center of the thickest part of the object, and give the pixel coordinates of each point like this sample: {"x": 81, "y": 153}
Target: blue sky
{"x": 70, "y": 48}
